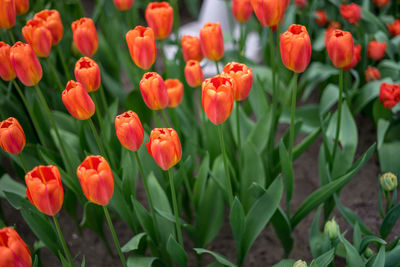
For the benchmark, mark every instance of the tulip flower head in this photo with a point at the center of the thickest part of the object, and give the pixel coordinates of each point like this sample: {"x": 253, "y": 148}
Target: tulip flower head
{"x": 243, "y": 77}
{"x": 301, "y": 3}
{"x": 332, "y": 229}
{"x": 13, "y": 250}
{"x": 160, "y": 17}
{"x": 77, "y": 101}
{"x": 87, "y": 72}
{"x": 85, "y": 36}
{"x": 376, "y": 50}
{"x": 372, "y": 74}
{"x": 356, "y": 58}
{"x": 129, "y": 130}
{"x": 7, "y": 14}
{"x": 7, "y": 72}
{"x": 300, "y": 263}
{"x": 52, "y": 21}
{"x": 351, "y": 12}
{"x": 340, "y": 48}
{"x": 388, "y": 181}
{"x": 154, "y": 91}
{"x": 25, "y": 64}
{"x": 123, "y": 5}
{"x": 242, "y": 10}
{"x": 21, "y": 7}
{"x": 212, "y": 41}
{"x": 142, "y": 46}
{"x": 193, "y": 73}
{"x": 12, "y": 136}
{"x": 175, "y": 92}
{"x": 269, "y": 12}
{"x": 381, "y": 3}
{"x": 320, "y": 17}
{"x": 191, "y": 48}
{"x": 394, "y": 28}
{"x": 389, "y": 95}
{"x": 38, "y": 36}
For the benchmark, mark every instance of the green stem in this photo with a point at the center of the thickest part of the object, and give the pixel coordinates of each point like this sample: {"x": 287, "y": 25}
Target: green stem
{"x": 98, "y": 113}
{"x": 103, "y": 98}
{"x": 64, "y": 65}
{"x": 157, "y": 120}
{"x": 11, "y": 35}
{"x": 387, "y": 198}
{"x": 216, "y": 64}
{"x": 61, "y": 237}
{"x": 175, "y": 206}
{"x": 22, "y": 163}
{"x": 97, "y": 138}
{"x": 339, "y": 117}
{"x": 292, "y": 117}
{"x": 114, "y": 235}
{"x": 164, "y": 58}
{"x": 53, "y": 69}
{"x": 239, "y": 141}
{"x": 165, "y": 118}
{"x": 227, "y": 178}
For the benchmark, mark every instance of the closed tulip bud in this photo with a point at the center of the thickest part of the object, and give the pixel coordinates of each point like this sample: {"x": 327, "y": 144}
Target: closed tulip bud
{"x": 332, "y": 229}
{"x": 351, "y": 12}
{"x": 217, "y": 97}
{"x": 243, "y": 77}
{"x": 388, "y": 181}
{"x": 38, "y": 37}
{"x": 129, "y": 130}
{"x": 356, "y": 58}
{"x": 52, "y": 21}
{"x": 77, "y": 101}
{"x": 123, "y": 5}
{"x": 212, "y": 41}
{"x": 376, "y": 50}
{"x": 21, "y": 6}
{"x": 13, "y": 250}
{"x": 296, "y": 48}
{"x": 193, "y": 73}
{"x": 369, "y": 253}
{"x": 340, "y": 48}
{"x": 7, "y": 72}
{"x": 300, "y": 263}
{"x": 165, "y": 148}
{"x": 301, "y": 3}
{"x": 97, "y": 180}
{"x": 85, "y": 36}
{"x": 394, "y": 28}
{"x": 333, "y": 25}
{"x": 44, "y": 189}
{"x": 7, "y": 14}
{"x": 175, "y": 92}
{"x": 320, "y": 17}
{"x": 389, "y": 95}
{"x": 87, "y": 72}
{"x": 191, "y": 48}
{"x": 12, "y": 136}
{"x": 160, "y": 17}
{"x": 372, "y": 74}
{"x": 242, "y": 10}
{"x": 154, "y": 91}
{"x": 381, "y": 3}
{"x": 25, "y": 64}
{"x": 269, "y": 12}
{"x": 142, "y": 46}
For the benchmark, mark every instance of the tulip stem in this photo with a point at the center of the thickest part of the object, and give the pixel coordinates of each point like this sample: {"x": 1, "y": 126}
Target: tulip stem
{"x": 165, "y": 118}
{"x": 339, "y": 117}
{"x": 239, "y": 141}
{"x": 98, "y": 141}
{"x": 22, "y": 163}
{"x": 114, "y": 235}
{"x": 164, "y": 58}
{"x": 61, "y": 237}
{"x": 228, "y": 180}
{"x": 216, "y": 65}
{"x": 11, "y": 35}
{"x": 292, "y": 117}
{"x": 62, "y": 59}
{"x": 387, "y": 198}
{"x": 53, "y": 69}
{"x": 103, "y": 98}
{"x": 175, "y": 206}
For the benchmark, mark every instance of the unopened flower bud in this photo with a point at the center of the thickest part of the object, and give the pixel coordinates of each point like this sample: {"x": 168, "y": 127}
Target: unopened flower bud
{"x": 388, "y": 181}
{"x": 369, "y": 253}
{"x": 300, "y": 263}
{"x": 332, "y": 229}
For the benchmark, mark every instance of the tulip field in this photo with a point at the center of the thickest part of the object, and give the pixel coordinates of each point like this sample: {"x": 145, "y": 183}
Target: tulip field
{"x": 199, "y": 133}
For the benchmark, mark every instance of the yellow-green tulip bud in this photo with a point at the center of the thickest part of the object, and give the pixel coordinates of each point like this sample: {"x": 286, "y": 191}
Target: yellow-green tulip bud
{"x": 332, "y": 229}
{"x": 388, "y": 181}
{"x": 369, "y": 253}
{"x": 300, "y": 263}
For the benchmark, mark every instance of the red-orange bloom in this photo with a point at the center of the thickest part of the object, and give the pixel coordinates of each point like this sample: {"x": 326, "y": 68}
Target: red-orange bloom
{"x": 243, "y": 77}
{"x": 191, "y": 48}
{"x": 269, "y": 12}
{"x": 301, "y": 3}
{"x": 97, "y": 180}
{"x": 160, "y": 17}
{"x": 165, "y": 148}
{"x": 333, "y": 25}
{"x": 351, "y": 12}
{"x": 340, "y": 48}
{"x": 21, "y": 6}
{"x": 242, "y": 10}
{"x": 356, "y": 58}
{"x": 77, "y": 101}
{"x": 52, "y": 20}
{"x": 85, "y": 36}
{"x": 372, "y": 74}
{"x": 376, "y": 50}
{"x": 381, "y": 3}
{"x": 129, "y": 130}
{"x": 193, "y": 73}
{"x": 12, "y": 136}
{"x": 123, "y": 5}
{"x": 25, "y": 64}
{"x": 44, "y": 189}
{"x": 87, "y": 72}
{"x": 142, "y": 46}
{"x": 7, "y": 72}
{"x": 154, "y": 91}
{"x": 175, "y": 92}
{"x": 7, "y": 14}
{"x": 394, "y": 28}
{"x": 13, "y": 250}
{"x": 212, "y": 41}
{"x": 389, "y": 95}
{"x": 320, "y": 17}
{"x": 38, "y": 36}
{"x": 217, "y": 97}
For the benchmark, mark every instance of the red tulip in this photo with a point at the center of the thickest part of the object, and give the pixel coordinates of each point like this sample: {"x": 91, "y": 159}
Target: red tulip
{"x": 243, "y": 77}
{"x": 191, "y": 48}
{"x": 394, "y": 28}
{"x": 389, "y": 95}
{"x": 7, "y": 72}
{"x": 123, "y": 5}
{"x": 212, "y": 41}
{"x": 376, "y": 50}
{"x": 85, "y": 36}
{"x": 242, "y": 10}
{"x": 77, "y": 101}
{"x": 129, "y": 130}
{"x": 381, "y": 3}
{"x": 25, "y": 64}
{"x": 52, "y": 20}
{"x": 356, "y": 58}
{"x": 160, "y": 17}
{"x": 351, "y": 12}
{"x": 269, "y": 12}
{"x": 301, "y": 3}
{"x": 340, "y": 48}
{"x": 21, "y": 6}
{"x": 175, "y": 92}
{"x": 193, "y": 73}
{"x": 87, "y": 72}
{"x": 13, "y": 250}
{"x": 372, "y": 74}
{"x": 12, "y": 136}
{"x": 7, "y": 14}
{"x": 142, "y": 46}
{"x": 38, "y": 37}
{"x": 154, "y": 91}
{"x": 320, "y": 17}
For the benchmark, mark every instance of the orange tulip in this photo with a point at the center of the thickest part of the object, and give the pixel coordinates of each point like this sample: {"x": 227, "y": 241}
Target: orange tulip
{"x": 320, "y": 17}
{"x": 13, "y": 250}
{"x": 7, "y": 72}
{"x": 212, "y": 41}
{"x": 85, "y": 36}
{"x": 44, "y": 189}
{"x": 351, "y": 12}
{"x": 52, "y": 21}
{"x": 154, "y": 91}
{"x": 12, "y": 136}
{"x": 193, "y": 73}
{"x": 389, "y": 95}
{"x": 372, "y": 74}
{"x": 356, "y": 58}
{"x": 175, "y": 92}
{"x": 381, "y": 3}
{"x": 87, "y": 72}
{"x": 129, "y": 130}
{"x": 333, "y": 25}
{"x": 191, "y": 48}
{"x": 394, "y": 28}
{"x": 142, "y": 46}
{"x": 217, "y": 97}
{"x": 269, "y": 12}
{"x": 376, "y": 50}
{"x": 38, "y": 36}
{"x": 160, "y": 17}
{"x": 77, "y": 101}
{"x": 165, "y": 148}
{"x": 340, "y": 48}
{"x": 242, "y": 10}
{"x": 97, "y": 180}
{"x": 7, "y": 14}
{"x": 123, "y": 5}
{"x": 243, "y": 77}
{"x": 296, "y": 48}
{"x": 301, "y": 3}
{"x": 25, "y": 64}
{"x": 21, "y": 6}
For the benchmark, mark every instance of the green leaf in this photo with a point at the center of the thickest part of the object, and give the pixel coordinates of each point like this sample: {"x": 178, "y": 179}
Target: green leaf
{"x": 392, "y": 258}
{"x": 380, "y": 258}
{"x": 369, "y": 239}
{"x": 237, "y": 220}
{"x": 144, "y": 218}
{"x": 200, "y": 183}
{"x": 287, "y": 171}
{"x": 325, "y": 259}
{"x": 93, "y": 218}
{"x": 382, "y": 127}
{"x": 319, "y": 243}
{"x": 221, "y": 259}
{"x": 357, "y": 236}
{"x": 389, "y": 221}
{"x": 367, "y": 93}
{"x": 176, "y": 251}
{"x": 352, "y": 256}
{"x": 388, "y": 157}
{"x": 10, "y": 185}
{"x": 134, "y": 243}
{"x": 329, "y": 98}
{"x": 140, "y": 261}
{"x": 285, "y": 263}
{"x": 83, "y": 261}
{"x": 283, "y": 229}
{"x": 260, "y": 134}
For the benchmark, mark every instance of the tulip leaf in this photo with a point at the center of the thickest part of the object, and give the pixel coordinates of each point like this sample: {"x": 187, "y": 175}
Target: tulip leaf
{"x": 287, "y": 171}
{"x": 389, "y": 221}
{"x": 392, "y": 257}
{"x": 133, "y": 243}
{"x": 285, "y": 263}
{"x": 237, "y": 220}
{"x": 201, "y": 180}
{"x": 352, "y": 256}
{"x": 380, "y": 258}
{"x": 144, "y": 218}
{"x": 10, "y": 185}
{"x": 93, "y": 218}
{"x": 283, "y": 229}
{"x": 319, "y": 243}
{"x": 176, "y": 251}
{"x": 369, "y": 239}
{"x": 325, "y": 259}
{"x": 140, "y": 261}
{"x": 221, "y": 259}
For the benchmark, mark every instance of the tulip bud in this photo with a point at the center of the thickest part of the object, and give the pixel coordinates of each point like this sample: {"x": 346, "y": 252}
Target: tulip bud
{"x": 269, "y": 12}
{"x": 351, "y": 12}
{"x": 212, "y": 41}
{"x": 123, "y": 5}
{"x": 175, "y": 92}
{"x": 53, "y": 23}
{"x": 217, "y": 97}
{"x": 13, "y": 250}
{"x": 242, "y": 10}
{"x": 296, "y": 48}
{"x": 6, "y": 70}
{"x": 320, "y": 17}
{"x": 340, "y": 48}
{"x": 97, "y": 180}
{"x": 44, "y": 189}
{"x": 333, "y": 25}
{"x": 381, "y": 3}
{"x": 165, "y": 148}
{"x": 7, "y": 14}
{"x": 160, "y": 17}
{"x": 376, "y": 50}
{"x": 25, "y": 64}
{"x": 12, "y": 136}
{"x": 85, "y": 36}
{"x": 332, "y": 229}
{"x": 372, "y": 74}
{"x": 87, "y": 72}
{"x": 300, "y": 263}
{"x": 356, "y": 58}
{"x": 38, "y": 37}
{"x": 369, "y": 253}
{"x": 154, "y": 91}
{"x": 301, "y": 3}
{"x": 77, "y": 101}
{"x": 243, "y": 77}
{"x": 389, "y": 95}
{"x": 394, "y": 28}
{"x": 193, "y": 73}
{"x": 191, "y": 48}
{"x": 129, "y": 130}
{"x": 142, "y": 46}
{"x": 388, "y": 182}
{"x": 21, "y": 6}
